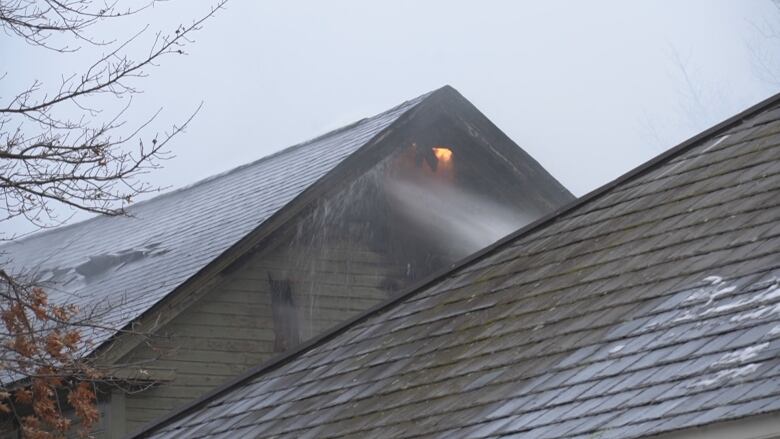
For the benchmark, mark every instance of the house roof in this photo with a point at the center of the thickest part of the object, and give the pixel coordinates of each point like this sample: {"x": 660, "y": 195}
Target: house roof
{"x": 128, "y": 264}
{"x": 650, "y": 305}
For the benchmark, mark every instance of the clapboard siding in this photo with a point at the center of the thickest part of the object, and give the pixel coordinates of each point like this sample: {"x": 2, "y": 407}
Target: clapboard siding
{"x": 231, "y": 328}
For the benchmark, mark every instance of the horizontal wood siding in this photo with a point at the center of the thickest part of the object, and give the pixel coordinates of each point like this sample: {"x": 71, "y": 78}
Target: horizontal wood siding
{"x": 219, "y": 337}
{"x": 231, "y": 328}
{"x": 8, "y": 428}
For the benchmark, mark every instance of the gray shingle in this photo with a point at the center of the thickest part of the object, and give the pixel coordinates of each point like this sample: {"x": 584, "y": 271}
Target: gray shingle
{"x": 648, "y": 308}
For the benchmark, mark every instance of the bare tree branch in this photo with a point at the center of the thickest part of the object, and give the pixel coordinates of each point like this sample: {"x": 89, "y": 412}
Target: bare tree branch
{"x": 87, "y": 162}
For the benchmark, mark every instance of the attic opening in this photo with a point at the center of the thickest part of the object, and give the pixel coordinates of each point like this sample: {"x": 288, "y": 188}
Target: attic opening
{"x": 443, "y": 154}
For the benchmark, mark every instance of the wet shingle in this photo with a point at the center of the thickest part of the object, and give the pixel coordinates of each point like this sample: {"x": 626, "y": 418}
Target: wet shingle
{"x": 641, "y": 310}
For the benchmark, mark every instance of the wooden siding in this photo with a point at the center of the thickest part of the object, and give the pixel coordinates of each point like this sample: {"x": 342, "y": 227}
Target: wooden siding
{"x": 231, "y": 328}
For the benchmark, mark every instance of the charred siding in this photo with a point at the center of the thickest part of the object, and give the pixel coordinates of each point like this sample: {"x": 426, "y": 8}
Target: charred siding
{"x": 232, "y": 327}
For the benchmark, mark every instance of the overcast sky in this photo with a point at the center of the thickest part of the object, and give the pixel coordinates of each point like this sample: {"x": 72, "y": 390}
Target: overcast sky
{"x": 590, "y": 89}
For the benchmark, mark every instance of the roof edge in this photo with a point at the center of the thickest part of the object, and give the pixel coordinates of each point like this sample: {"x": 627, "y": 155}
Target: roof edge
{"x": 284, "y": 358}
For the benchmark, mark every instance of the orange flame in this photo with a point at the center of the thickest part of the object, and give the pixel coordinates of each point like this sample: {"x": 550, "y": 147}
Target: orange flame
{"x": 442, "y": 154}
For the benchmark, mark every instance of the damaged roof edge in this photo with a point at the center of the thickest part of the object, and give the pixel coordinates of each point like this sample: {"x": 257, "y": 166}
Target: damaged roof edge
{"x": 289, "y": 356}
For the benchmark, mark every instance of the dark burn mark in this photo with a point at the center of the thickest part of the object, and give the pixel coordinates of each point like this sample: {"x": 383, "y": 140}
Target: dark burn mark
{"x": 285, "y": 316}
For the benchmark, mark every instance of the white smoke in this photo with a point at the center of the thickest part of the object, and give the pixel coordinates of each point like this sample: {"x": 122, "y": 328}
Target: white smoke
{"x": 460, "y": 221}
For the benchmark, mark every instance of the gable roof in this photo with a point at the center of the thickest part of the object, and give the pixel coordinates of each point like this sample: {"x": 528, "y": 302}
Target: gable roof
{"x": 648, "y": 306}
{"x": 128, "y": 264}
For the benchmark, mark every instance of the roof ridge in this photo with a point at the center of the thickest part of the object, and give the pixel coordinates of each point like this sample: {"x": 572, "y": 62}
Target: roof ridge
{"x": 284, "y": 358}
{"x": 210, "y": 178}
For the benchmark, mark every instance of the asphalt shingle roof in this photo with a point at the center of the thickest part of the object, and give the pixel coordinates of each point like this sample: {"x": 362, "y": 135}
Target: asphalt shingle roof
{"x": 652, "y": 306}
{"x": 127, "y": 264}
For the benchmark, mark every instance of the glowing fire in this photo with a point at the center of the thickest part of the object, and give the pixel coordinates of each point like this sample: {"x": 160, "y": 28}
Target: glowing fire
{"x": 443, "y": 155}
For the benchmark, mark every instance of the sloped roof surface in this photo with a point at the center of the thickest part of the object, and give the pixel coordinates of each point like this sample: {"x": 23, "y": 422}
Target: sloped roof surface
{"x": 133, "y": 262}
{"x": 653, "y": 306}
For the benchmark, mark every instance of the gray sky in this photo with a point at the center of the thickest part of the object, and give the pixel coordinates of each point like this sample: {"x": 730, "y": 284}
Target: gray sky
{"x": 590, "y": 89}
